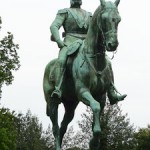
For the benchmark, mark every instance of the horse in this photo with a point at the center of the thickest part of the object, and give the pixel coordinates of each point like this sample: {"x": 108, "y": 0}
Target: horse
{"x": 88, "y": 76}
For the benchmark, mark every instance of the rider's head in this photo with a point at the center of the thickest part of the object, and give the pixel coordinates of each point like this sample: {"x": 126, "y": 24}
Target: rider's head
{"x": 75, "y": 3}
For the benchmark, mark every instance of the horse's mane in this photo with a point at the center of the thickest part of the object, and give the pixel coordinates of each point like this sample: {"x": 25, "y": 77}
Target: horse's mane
{"x": 95, "y": 15}
{"x": 96, "y": 25}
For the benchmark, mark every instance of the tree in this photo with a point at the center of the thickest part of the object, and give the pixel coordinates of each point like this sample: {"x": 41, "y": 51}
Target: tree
{"x": 68, "y": 140}
{"x": 30, "y": 133}
{"x": 9, "y": 59}
{"x": 23, "y": 132}
{"x": 143, "y": 138}
{"x": 49, "y": 138}
{"x": 8, "y": 132}
{"x": 117, "y": 133}
{"x": 74, "y": 148}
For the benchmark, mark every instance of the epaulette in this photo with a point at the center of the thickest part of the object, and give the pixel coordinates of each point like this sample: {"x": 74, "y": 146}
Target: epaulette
{"x": 62, "y": 11}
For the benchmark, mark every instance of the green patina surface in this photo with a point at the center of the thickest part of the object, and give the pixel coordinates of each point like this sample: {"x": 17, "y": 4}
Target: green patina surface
{"x": 82, "y": 71}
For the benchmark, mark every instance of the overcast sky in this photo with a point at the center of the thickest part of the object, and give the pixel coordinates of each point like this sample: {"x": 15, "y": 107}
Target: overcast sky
{"x": 29, "y": 21}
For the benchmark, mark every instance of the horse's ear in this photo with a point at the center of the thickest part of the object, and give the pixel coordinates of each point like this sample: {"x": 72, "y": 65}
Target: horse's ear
{"x": 102, "y": 2}
{"x": 117, "y": 2}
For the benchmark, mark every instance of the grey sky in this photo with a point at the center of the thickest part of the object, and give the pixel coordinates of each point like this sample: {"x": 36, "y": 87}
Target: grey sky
{"x": 29, "y": 21}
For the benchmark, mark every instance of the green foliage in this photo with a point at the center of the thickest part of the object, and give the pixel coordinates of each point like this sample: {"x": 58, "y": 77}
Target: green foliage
{"x": 117, "y": 133}
{"x": 68, "y": 140}
{"x": 23, "y": 132}
{"x": 9, "y": 59}
{"x": 143, "y": 138}
{"x": 74, "y": 148}
{"x": 30, "y": 133}
{"x": 48, "y": 138}
{"x": 8, "y": 132}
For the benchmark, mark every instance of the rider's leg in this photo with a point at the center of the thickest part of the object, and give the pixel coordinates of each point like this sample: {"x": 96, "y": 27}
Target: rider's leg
{"x": 111, "y": 92}
{"x": 60, "y": 67}
{"x": 113, "y": 96}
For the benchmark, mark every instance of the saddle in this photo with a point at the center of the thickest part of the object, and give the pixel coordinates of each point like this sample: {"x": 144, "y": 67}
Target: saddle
{"x": 74, "y": 47}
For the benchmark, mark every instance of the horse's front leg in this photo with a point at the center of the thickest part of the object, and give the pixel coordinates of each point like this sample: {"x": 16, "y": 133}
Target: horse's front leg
{"x": 88, "y": 99}
{"x": 53, "y": 113}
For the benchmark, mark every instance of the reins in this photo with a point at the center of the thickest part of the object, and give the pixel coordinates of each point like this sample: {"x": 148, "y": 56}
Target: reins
{"x": 102, "y": 52}
{"x": 103, "y": 35}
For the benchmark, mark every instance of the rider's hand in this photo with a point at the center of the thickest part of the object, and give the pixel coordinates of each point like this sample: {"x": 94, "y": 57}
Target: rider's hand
{"x": 60, "y": 44}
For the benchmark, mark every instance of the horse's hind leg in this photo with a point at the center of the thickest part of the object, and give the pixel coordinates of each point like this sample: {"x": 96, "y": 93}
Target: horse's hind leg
{"x": 53, "y": 113}
{"x": 68, "y": 116}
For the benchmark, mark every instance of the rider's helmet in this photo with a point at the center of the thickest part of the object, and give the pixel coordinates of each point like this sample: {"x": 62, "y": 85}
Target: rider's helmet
{"x": 75, "y": 2}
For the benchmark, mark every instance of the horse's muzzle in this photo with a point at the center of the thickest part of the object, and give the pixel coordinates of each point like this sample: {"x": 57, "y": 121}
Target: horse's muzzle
{"x": 112, "y": 46}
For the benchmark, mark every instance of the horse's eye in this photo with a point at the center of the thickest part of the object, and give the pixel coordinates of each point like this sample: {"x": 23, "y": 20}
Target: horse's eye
{"x": 104, "y": 16}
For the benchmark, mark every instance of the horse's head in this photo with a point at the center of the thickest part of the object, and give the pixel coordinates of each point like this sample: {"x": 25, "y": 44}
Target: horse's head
{"x": 108, "y": 23}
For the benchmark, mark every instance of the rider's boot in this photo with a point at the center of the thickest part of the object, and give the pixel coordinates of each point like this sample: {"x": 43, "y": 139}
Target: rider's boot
{"x": 57, "y": 93}
{"x": 113, "y": 96}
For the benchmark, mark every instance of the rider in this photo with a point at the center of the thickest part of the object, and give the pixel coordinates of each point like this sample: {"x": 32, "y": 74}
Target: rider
{"x": 75, "y": 22}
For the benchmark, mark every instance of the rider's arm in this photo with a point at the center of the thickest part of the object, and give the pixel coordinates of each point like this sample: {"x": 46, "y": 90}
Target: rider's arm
{"x": 55, "y": 26}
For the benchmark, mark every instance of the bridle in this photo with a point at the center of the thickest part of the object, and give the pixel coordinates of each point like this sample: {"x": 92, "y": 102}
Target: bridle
{"x": 104, "y": 34}
{"x": 99, "y": 25}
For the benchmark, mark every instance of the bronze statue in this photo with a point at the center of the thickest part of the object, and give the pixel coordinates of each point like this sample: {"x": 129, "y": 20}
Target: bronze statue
{"x": 82, "y": 71}
{"x": 75, "y": 22}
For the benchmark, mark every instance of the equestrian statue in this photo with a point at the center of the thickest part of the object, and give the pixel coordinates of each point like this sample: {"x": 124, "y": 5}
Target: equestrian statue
{"x": 82, "y": 72}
